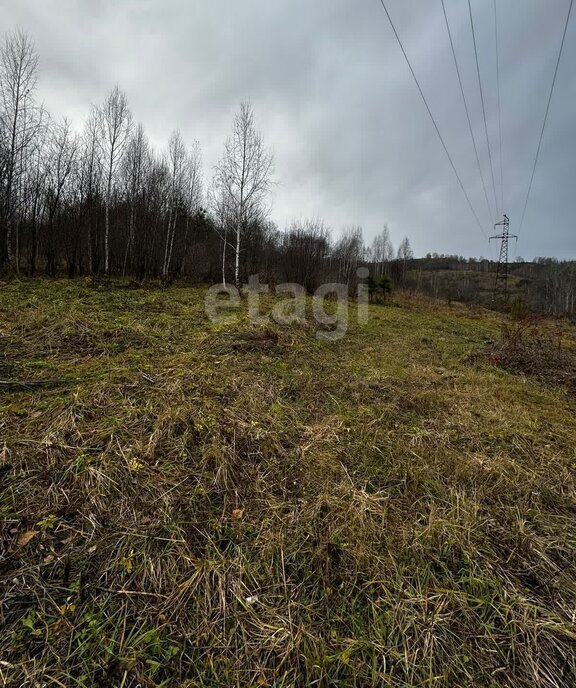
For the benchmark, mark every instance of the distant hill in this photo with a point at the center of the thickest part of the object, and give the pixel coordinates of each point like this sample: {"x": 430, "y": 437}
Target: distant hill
{"x": 546, "y": 284}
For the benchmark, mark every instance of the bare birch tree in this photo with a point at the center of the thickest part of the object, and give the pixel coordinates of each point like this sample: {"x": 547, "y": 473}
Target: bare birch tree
{"x": 244, "y": 176}
{"x": 348, "y": 252}
{"x": 177, "y": 168}
{"x": 134, "y": 166}
{"x": 91, "y": 180}
{"x": 116, "y": 127}
{"x": 63, "y": 150}
{"x": 192, "y": 193}
{"x": 405, "y": 250}
{"x": 382, "y": 251}
{"x": 18, "y": 126}
{"x": 219, "y": 204}
{"x": 405, "y": 254}
{"x": 37, "y": 172}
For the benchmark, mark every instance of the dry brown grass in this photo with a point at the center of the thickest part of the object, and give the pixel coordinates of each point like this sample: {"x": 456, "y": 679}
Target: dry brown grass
{"x": 246, "y": 507}
{"x": 538, "y": 348}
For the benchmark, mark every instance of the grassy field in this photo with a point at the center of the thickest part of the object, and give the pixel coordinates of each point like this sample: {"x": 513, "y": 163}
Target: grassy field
{"x": 185, "y": 504}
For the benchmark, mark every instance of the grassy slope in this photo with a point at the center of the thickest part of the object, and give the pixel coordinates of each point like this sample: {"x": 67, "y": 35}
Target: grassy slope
{"x": 455, "y": 282}
{"x": 370, "y": 512}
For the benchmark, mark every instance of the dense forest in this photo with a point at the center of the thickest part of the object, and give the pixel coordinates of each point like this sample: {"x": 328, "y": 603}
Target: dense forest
{"x": 102, "y": 201}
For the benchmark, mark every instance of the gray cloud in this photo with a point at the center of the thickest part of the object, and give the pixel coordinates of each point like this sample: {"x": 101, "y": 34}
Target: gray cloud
{"x": 334, "y": 98}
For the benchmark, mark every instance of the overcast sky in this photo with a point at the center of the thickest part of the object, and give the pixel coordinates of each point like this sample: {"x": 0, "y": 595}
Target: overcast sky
{"x": 335, "y": 100}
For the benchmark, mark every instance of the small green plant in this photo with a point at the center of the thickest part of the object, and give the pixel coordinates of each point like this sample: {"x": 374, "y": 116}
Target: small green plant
{"x": 48, "y": 523}
{"x": 30, "y": 623}
{"x": 378, "y": 288}
{"x": 127, "y": 562}
{"x": 82, "y": 462}
{"x": 385, "y": 284}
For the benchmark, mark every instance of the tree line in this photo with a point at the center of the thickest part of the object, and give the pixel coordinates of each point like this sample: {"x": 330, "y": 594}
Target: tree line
{"x": 101, "y": 201}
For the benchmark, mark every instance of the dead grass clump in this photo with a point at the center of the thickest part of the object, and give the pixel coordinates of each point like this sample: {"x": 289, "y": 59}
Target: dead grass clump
{"x": 256, "y": 340}
{"x": 528, "y": 348}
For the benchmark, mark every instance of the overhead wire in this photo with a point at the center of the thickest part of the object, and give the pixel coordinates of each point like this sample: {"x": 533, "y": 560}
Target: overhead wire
{"x": 499, "y": 105}
{"x": 546, "y": 115}
{"x": 467, "y": 111}
{"x": 483, "y": 104}
{"x": 432, "y": 117}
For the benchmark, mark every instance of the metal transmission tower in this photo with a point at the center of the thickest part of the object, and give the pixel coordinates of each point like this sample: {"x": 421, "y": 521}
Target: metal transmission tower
{"x": 501, "y": 284}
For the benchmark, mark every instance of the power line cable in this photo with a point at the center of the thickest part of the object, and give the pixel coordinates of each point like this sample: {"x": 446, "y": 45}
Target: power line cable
{"x": 467, "y": 112}
{"x": 499, "y": 106}
{"x": 483, "y": 105}
{"x": 546, "y": 115}
{"x": 432, "y": 117}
